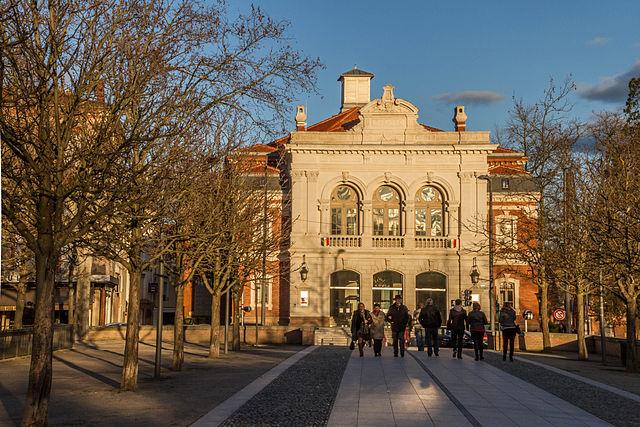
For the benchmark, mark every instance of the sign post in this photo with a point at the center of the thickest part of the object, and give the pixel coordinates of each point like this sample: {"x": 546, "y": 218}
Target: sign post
{"x": 559, "y": 314}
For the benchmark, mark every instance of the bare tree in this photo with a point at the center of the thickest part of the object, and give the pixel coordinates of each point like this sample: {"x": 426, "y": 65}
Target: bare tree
{"x": 615, "y": 218}
{"x": 545, "y": 134}
{"x": 18, "y": 259}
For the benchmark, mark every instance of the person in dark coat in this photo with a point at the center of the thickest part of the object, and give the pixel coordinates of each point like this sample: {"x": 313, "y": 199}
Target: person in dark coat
{"x": 360, "y": 327}
{"x": 475, "y": 322}
{"x": 456, "y": 324}
{"x": 399, "y": 317}
{"x": 431, "y": 321}
{"x": 507, "y": 320}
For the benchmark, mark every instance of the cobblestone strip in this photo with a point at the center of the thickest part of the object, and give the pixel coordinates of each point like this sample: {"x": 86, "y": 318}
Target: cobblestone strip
{"x": 607, "y": 406}
{"x": 221, "y": 412}
{"x": 589, "y": 381}
{"x": 303, "y": 395}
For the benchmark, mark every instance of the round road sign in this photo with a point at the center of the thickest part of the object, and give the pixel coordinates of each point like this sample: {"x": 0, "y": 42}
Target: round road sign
{"x": 559, "y": 314}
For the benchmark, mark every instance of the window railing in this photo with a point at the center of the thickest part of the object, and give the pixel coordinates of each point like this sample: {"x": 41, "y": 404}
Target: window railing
{"x": 434, "y": 243}
{"x": 342, "y": 241}
{"x": 388, "y": 242}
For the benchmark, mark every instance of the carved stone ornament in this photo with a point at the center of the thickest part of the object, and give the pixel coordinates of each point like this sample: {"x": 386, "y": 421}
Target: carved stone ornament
{"x": 387, "y": 176}
{"x": 429, "y": 177}
{"x": 312, "y": 176}
{"x": 345, "y": 176}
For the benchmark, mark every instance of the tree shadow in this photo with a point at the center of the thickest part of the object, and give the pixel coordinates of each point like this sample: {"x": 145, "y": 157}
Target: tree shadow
{"x": 106, "y": 380}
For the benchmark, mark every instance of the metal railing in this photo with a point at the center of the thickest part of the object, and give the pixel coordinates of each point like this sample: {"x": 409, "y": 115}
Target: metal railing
{"x": 17, "y": 342}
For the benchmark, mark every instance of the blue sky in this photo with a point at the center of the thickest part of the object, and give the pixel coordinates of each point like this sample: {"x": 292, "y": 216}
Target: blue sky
{"x": 478, "y": 53}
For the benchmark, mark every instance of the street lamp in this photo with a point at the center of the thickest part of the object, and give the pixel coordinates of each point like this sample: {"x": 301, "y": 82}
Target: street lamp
{"x": 475, "y": 274}
{"x": 304, "y": 270}
{"x": 492, "y": 314}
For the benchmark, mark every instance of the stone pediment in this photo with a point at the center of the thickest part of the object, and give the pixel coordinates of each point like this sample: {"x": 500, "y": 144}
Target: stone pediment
{"x": 389, "y": 119}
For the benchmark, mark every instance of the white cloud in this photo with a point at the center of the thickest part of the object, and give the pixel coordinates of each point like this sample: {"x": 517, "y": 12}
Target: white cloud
{"x": 470, "y": 97}
{"x": 598, "y": 41}
{"x": 613, "y": 89}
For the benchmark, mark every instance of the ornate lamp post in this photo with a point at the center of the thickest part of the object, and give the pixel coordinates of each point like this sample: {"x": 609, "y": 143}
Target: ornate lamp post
{"x": 304, "y": 270}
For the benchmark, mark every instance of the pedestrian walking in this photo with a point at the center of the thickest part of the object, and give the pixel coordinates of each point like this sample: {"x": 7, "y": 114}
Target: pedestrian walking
{"x": 431, "y": 321}
{"x": 418, "y": 329}
{"x": 377, "y": 329}
{"x": 399, "y": 317}
{"x": 509, "y": 328}
{"x": 456, "y": 324}
{"x": 475, "y": 322}
{"x": 360, "y": 327}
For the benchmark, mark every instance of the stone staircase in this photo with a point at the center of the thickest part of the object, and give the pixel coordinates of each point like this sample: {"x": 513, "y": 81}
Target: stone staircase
{"x": 332, "y": 336}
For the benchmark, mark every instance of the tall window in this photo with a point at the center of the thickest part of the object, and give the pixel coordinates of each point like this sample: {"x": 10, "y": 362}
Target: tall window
{"x": 386, "y": 212}
{"x": 429, "y": 212}
{"x": 386, "y": 285}
{"x": 432, "y": 285}
{"x": 508, "y": 293}
{"x": 344, "y": 296}
{"x": 344, "y": 211}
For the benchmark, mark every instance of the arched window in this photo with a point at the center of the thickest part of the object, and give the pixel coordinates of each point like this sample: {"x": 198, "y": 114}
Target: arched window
{"x": 344, "y": 211}
{"x": 345, "y": 295}
{"x": 386, "y": 212}
{"x": 386, "y": 285}
{"x": 429, "y": 212}
{"x": 432, "y": 285}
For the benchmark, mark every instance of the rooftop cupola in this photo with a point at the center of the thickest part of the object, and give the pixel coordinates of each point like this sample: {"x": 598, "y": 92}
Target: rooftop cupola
{"x": 356, "y": 88}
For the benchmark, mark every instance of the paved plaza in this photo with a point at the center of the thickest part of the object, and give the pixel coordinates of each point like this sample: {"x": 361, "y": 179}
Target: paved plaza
{"x": 422, "y": 391}
{"x": 323, "y": 385}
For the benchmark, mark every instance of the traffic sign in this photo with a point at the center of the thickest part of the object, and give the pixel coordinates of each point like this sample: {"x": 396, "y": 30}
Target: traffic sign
{"x": 527, "y": 315}
{"x": 559, "y": 314}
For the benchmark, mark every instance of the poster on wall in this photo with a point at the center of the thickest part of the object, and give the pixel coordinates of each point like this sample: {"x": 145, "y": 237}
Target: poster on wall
{"x": 304, "y": 298}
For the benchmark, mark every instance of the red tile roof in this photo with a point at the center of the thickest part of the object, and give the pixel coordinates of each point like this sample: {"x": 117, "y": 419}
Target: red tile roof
{"x": 341, "y": 122}
{"x": 338, "y": 123}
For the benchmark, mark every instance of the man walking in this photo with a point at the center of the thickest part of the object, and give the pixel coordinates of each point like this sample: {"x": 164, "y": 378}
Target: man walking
{"x": 399, "y": 317}
{"x": 456, "y": 323}
{"x": 431, "y": 321}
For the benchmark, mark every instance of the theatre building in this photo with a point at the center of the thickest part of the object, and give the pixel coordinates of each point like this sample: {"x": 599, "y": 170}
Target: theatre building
{"x": 379, "y": 203}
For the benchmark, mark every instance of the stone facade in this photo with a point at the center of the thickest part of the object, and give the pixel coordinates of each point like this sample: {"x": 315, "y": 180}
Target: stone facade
{"x": 369, "y": 145}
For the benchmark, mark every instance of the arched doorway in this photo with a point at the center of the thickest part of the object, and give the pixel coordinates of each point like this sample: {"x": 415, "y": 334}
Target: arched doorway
{"x": 432, "y": 285}
{"x": 345, "y": 294}
{"x": 386, "y": 284}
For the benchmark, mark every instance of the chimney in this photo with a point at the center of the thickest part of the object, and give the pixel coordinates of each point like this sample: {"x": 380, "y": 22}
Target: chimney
{"x": 460, "y": 118}
{"x": 356, "y": 88}
{"x": 301, "y": 118}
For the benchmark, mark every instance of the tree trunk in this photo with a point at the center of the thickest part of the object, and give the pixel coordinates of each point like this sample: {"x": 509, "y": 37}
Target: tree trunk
{"x": 72, "y": 305}
{"x": 214, "y": 339}
{"x": 632, "y": 353}
{"x": 40, "y": 372}
{"x": 237, "y": 313}
{"x": 544, "y": 314}
{"x": 129, "y": 380}
{"x": 21, "y": 299}
{"x": 83, "y": 297}
{"x": 583, "y": 354}
{"x": 178, "y": 329}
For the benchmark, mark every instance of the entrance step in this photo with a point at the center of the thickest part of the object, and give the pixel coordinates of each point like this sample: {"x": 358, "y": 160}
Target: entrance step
{"x": 332, "y": 336}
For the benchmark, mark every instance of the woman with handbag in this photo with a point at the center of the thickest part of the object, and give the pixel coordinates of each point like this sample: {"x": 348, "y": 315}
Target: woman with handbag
{"x": 360, "y": 327}
{"x": 509, "y": 328}
{"x": 377, "y": 329}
